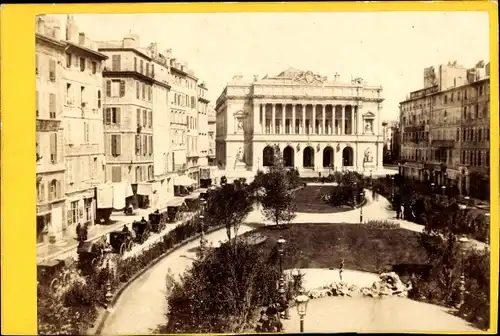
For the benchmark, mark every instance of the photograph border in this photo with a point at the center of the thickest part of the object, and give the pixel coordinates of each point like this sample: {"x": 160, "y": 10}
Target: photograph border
{"x": 18, "y": 247}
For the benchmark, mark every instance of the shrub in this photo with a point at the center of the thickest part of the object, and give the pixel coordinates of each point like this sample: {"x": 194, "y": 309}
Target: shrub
{"x": 219, "y": 293}
{"x": 376, "y": 224}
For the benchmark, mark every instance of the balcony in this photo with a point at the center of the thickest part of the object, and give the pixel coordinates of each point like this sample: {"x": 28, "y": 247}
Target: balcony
{"x": 443, "y": 143}
{"x": 47, "y": 125}
{"x": 180, "y": 168}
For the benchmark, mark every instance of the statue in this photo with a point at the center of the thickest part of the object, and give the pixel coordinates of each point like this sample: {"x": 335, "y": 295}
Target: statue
{"x": 368, "y": 126}
{"x": 368, "y": 155}
{"x": 239, "y": 155}
{"x": 240, "y": 126}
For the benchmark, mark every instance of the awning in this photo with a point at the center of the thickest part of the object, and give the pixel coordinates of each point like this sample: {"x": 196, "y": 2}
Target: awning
{"x": 184, "y": 181}
{"x": 145, "y": 189}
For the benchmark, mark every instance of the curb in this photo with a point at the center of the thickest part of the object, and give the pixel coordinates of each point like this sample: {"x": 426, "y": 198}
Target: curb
{"x": 102, "y": 317}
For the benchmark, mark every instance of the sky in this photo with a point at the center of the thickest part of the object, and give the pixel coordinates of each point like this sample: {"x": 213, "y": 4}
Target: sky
{"x": 385, "y": 48}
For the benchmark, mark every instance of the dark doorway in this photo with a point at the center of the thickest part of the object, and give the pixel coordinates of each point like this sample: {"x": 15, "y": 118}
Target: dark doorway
{"x": 328, "y": 156}
{"x": 268, "y": 156}
{"x": 308, "y": 157}
{"x": 347, "y": 157}
{"x": 288, "y": 156}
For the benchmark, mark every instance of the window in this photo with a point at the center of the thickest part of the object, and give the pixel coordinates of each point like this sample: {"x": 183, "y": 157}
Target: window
{"x": 150, "y": 119}
{"x": 480, "y": 135}
{"x": 73, "y": 213}
{"x": 54, "y": 187}
{"x": 445, "y": 99}
{"x": 99, "y": 103}
{"x": 112, "y": 115}
{"x": 150, "y": 149}
{"x": 152, "y": 70}
{"x": 147, "y": 69}
{"x": 53, "y": 148}
{"x": 458, "y": 135}
{"x": 83, "y": 99}
{"x": 41, "y": 191}
{"x": 150, "y": 91}
{"x": 52, "y": 70}
{"x": 94, "y": 68}
{"x": 138, "y": 117}
{"x": 86, "y": 137}
{"x": 141, "y": 68}
{"x": 144, "y": 118}
{"x": 115, "y": 88}
{"x": 143, "y": 91}
{"x": 144, "y": 145}
{"x": 116, "y": 145}
{"x": 82, "y": 64}
{"x": 138, "y": 89}
{"x": 116, "y": 174}
{"x": 135, "y": 63}
{"x": 137, "y": 144}
{"x": 150, "y": 173}
{"x": 137, "y": 174}
{"x": 116, "y": 62}
{"x": 193, "y": 102}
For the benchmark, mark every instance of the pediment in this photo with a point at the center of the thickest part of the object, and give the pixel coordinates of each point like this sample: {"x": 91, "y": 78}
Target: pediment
{"x": 240, "y": 113}
{"x": 369, "y": 115}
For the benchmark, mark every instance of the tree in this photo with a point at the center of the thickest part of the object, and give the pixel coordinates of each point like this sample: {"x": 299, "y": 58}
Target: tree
{"x": 277, "y": 199}
{"x": 229, "y": 205}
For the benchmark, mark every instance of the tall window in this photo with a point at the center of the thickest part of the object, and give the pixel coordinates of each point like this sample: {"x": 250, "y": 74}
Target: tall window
{"x": 53, "y": 186}
{"x": 116, "y": 144}
{"x": 52, "y": 70}
{"x": 82, "y": 64}
{"x": 138, "y": 144}
{"x": 41, "y": 191}
{"x": 52, "y": 105}
{"x": 135, "y": 63}
{"x": 150, "y": 118}
{"x": 115, "y": 88}
{"x": 88, "y": 209}
{"x": 144, "y": 118}
{"x": 116, "y": 61}
{"x": 143, "y": 90}
{"x": 99, "y": 102}
{"x": 138, "y": 117}
{"x": 144, "y": 145}
{"x": 86, "y": 135}
{"x": 53, "y": 148}
{"x": 112, "y": 115}
{"x": 150, "y": 149}
{"x": 73, "y": 213}
{"x": 150, "y": 173}
{"x": 141, "y": 68}
{"x": 94, "y": 68}
{"x": 138, "y": 89}
{"x": 137, "y": 174}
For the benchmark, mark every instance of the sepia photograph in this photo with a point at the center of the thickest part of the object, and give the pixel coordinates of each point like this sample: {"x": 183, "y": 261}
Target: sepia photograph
{"x": 263, "y": 172}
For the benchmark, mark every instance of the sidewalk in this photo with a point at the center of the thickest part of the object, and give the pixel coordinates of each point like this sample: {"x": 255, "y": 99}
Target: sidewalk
{"x": 69, "y": 244}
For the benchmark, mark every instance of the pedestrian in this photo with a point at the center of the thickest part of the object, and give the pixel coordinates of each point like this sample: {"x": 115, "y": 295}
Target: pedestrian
{"x": 85, "y": 231}
{"x": 341, "y": 269}
{"x": 402, "y": 211}
{"x": 79, "y": 232}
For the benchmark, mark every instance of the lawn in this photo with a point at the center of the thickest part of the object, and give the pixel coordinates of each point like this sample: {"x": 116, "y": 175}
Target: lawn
{"x": 362, "y": 248}
{"x": 308, "y": 200}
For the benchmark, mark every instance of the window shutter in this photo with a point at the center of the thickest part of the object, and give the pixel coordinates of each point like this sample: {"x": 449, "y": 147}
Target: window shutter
{"x": 138, "y": 117}
{"x": 150, "y": 118}
{"x": 150, "y": 91}
{"x": 117, "y": 115}
{"x": 52, "y": 105}
{"x": 58, "y": 189}
{"x": 118, "y": 145}
{"x": 138, "y": 89}
{"x": 152, "y": 70}
{"x": 144, "y": 118}
{"x": 53, "y": 146}
{"x": 144, "y": 145}
{"x": 138, "y": 144}
{"x": 52, "y": 69}
{"x": 150, "y": 145}
{"x": 108, "y": 88}
{"x": 122, "y": 88}
{"x": 135, "y": 63}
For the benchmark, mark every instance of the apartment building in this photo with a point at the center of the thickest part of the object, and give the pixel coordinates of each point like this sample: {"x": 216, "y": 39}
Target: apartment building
{"x": 203, "y": 140}
{"x": 445, "y": 129}
{"x": 83, "y": 125}
{"x": 211, "y": 135}
{"x": 128, "y": 117}
{"x": 50, "y": 165}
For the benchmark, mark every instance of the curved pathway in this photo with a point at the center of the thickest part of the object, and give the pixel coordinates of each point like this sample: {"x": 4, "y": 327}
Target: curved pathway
{"x": 142, "y": 306}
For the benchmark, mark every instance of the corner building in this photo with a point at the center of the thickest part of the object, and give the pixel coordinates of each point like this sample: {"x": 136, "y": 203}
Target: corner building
{"x": 318, "y": 125}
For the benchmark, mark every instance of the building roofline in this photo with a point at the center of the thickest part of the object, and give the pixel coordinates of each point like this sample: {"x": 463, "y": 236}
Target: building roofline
{"x": 96, "y": 54}
{"x": 136, "y": 51}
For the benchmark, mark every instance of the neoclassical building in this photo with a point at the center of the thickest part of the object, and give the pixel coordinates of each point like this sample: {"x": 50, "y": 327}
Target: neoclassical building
{"x": 318, "y": 125}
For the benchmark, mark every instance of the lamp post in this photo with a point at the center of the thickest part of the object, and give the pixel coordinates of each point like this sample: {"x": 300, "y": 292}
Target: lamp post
{"x": 362, "y": 194}
{"x": 393, "y": 187}
{"x": 301, "y": 301}
{"x": 281, "y": 248}
{"x": 202, "y": 229}
{"x": 487, "y": 242}
{"x": 462, "y": 243}
{"x": 355, "y": 194}
{"x": 444, "y": 190}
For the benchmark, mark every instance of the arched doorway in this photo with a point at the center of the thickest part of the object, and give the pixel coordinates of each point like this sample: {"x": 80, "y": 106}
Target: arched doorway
{"x": 328, "y": 156}
{"x": 308, "y": 157}
{"x": 288, "y": 154}
{"x": 347, "y": 157}
{"x": 268, "y": 156}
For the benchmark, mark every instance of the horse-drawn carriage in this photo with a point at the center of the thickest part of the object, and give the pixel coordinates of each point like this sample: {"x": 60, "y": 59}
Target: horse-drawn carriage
{"x": 142, "y": 230}
{"x": 90, "y": 254}
{"x": 48, "y": 271}
{"x": 158, "y": 221}
{"x": 121, "y": 241}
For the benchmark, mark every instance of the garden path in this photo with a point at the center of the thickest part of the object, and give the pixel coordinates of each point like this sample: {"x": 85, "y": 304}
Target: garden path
{"x": 142, "y": 306}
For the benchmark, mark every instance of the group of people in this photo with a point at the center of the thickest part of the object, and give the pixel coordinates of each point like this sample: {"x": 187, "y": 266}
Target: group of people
{"x": 269, "y": 320}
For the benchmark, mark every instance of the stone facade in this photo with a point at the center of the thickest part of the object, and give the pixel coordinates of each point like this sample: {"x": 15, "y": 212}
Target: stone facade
{"x": 319, "y": 125}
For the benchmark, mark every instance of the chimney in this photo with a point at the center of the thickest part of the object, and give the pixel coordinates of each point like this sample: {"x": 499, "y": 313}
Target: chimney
{"x": 81, "y": 39}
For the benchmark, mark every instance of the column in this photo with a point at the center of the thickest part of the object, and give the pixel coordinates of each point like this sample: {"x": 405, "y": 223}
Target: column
{"x": 294, "y": 107}
{"x": 263, "y": 122}
{"x": 342, "y": 131}
{"x": 352, "y": 120}
{"x": 313, "y": 126}
{"x": 256, "y": 120}
{"x": 304, "y": 118}
{"x": 283, "y": 119}
{"x": 273, "y": 119}
{"x": 334, "y": 108}
{"x": 323, "y": 119}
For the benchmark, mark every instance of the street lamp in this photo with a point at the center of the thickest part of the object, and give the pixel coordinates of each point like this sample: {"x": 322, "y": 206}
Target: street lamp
{"x": 301, "y": 301}
{"x": 462, "y": 243}
{"x": 202, "y": 229}
{"x": 281, "y": 248}
{"x": 444, "y": 190}
{"x": 393, "y": 187}
{"x": 487, "y": 215}
{"x": 355, "y": 192}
